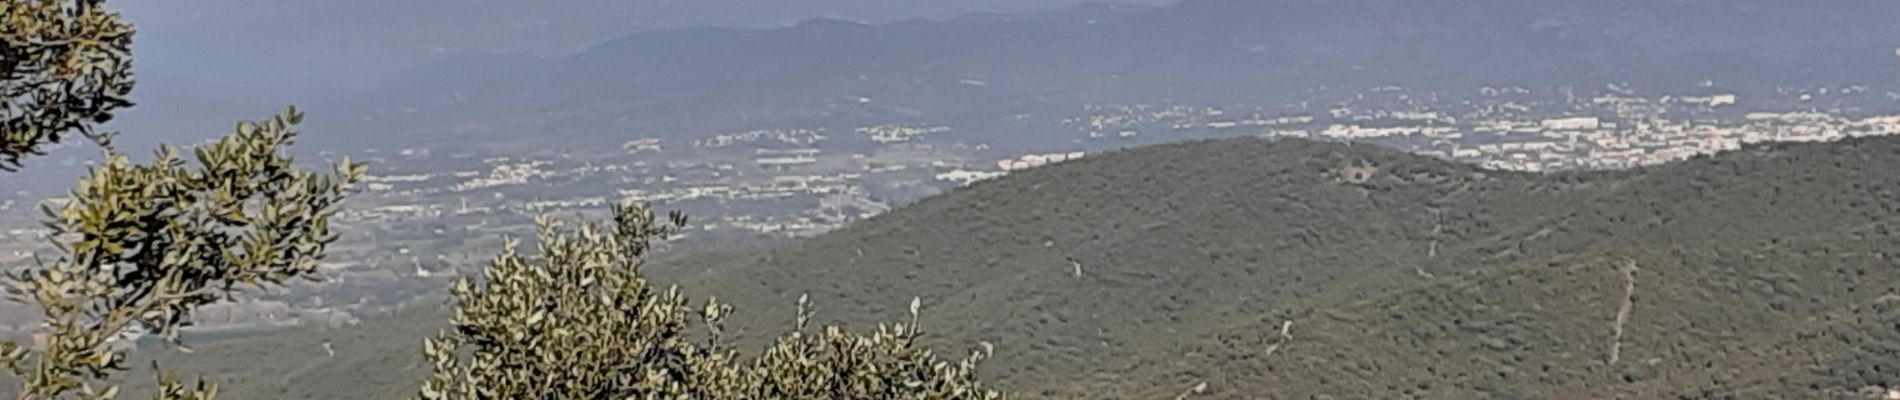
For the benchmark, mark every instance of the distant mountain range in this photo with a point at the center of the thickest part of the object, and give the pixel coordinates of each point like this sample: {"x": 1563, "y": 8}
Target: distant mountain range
{"x": 1217, "y": 51}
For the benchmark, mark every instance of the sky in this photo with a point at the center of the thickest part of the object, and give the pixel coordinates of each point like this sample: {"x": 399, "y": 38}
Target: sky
{"x": 253, "y": 42}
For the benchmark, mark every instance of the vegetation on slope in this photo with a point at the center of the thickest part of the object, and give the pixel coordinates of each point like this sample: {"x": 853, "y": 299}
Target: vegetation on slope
{"x": 1154, "y": 269}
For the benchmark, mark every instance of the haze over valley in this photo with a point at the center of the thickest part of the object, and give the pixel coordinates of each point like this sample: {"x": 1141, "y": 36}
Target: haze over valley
{"x": 1271, "y": 198}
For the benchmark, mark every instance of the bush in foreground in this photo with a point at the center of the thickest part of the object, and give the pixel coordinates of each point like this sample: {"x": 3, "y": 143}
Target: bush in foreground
{"x": 139, "y": 246}
{"x": 579, "y": 322}
{"x": 142, "y": 245}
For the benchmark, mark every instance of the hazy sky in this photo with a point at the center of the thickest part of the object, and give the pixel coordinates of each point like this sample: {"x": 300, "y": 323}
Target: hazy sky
{"x": 244, "y": 41}
{"x": 202, "y": 63}
{"x": 205, "y": 64}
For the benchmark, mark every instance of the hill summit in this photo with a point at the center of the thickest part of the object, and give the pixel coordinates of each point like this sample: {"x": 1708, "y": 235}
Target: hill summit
{"x": 1293, "y": 269}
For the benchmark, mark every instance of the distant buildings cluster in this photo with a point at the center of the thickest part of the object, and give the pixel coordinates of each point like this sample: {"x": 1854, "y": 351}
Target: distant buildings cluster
{"x": 899, "y": 133}
{"x": 504, "y": 172}
{"x": 1519, "y": 128}
{"x": 1036, "y": 160}
{"x": 802, "y": 137}
{"x": 965, "y": 176}
{"x": 779, "y": 159}
{"x": 642, "y": 145}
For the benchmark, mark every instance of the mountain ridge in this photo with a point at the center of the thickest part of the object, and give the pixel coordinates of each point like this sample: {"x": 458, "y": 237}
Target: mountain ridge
{"x": 1201, "y": 302}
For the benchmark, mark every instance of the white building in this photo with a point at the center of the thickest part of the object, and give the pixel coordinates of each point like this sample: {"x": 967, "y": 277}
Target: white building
{"x": 965, "y": 177}
{"x": 1036, "y": 160}
{"x": 1721, "y": 100}
{"x": 1572, "y": 123}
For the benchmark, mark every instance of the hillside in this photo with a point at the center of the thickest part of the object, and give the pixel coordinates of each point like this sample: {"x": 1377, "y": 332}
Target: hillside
{"x": 1193, "y": 255}
{"x": 1761, "y": 273}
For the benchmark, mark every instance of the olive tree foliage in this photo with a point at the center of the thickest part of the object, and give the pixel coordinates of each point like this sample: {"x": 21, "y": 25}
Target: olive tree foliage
{"x": 67, "y": 66}
{"x": 142, "y": 245}
{"x": 580, "y": 322}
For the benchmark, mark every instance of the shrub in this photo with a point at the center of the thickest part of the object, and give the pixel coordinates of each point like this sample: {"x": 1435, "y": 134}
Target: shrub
{"x": 580, "y": 322}
{"x": 142, "y": 245}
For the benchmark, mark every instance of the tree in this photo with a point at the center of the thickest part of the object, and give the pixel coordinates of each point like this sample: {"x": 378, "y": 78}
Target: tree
{"x": 580, "y": 322}
{"x": 140, "y": 245}
{"x": 67, "y": 66}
